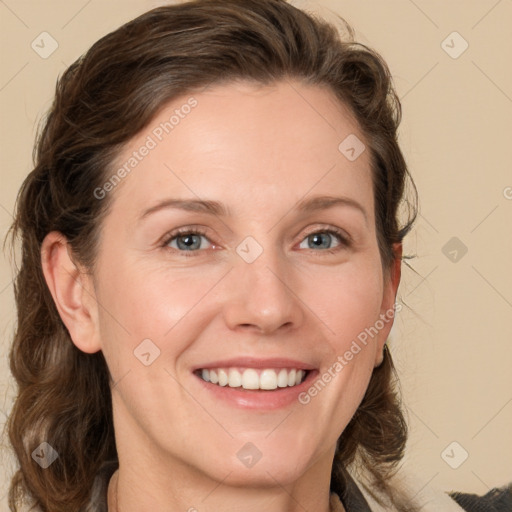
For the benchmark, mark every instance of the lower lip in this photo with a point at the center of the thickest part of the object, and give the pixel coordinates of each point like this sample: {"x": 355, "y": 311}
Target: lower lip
{"x": 259, "y": 399}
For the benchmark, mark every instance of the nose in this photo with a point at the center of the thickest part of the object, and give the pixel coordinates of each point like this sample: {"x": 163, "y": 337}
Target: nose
{"x": 261, "y": 296}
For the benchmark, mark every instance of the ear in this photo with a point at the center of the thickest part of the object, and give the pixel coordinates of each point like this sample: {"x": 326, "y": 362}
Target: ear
{"x": 387, "y": 313}
{"x": 72, "y": 291}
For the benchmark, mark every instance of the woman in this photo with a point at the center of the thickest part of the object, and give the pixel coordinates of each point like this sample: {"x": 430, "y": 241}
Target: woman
{"x": 211, "y": 255}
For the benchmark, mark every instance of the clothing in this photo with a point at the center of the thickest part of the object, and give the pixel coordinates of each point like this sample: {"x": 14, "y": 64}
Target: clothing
{"x": 496, "y": 500}
{"x": 357, "y": 499}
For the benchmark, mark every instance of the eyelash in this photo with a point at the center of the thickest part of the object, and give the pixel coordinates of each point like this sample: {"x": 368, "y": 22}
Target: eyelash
{"x": 342, "y": 238}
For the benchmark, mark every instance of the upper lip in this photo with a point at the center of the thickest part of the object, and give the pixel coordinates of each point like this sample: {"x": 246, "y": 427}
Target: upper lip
{"x": 252, "y": 362}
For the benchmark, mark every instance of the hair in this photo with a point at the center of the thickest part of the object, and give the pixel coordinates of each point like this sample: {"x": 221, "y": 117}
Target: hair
{"x": 101, "y": 102}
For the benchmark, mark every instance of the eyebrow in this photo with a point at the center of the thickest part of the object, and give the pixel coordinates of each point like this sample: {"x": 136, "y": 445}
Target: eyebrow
{"x": 216, "y": 208}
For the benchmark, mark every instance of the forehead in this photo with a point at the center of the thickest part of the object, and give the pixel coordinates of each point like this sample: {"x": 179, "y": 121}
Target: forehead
{"x": 240, "y": 141}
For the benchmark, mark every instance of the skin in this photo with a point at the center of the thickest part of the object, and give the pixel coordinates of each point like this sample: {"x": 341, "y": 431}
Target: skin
{"x": 259, "y": 150}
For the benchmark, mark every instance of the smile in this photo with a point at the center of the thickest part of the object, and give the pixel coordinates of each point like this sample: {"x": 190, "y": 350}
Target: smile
{"x": 252, "y": 378}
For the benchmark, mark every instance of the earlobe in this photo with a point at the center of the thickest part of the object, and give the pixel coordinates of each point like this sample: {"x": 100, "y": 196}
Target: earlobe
{"x": 72, "y": 292}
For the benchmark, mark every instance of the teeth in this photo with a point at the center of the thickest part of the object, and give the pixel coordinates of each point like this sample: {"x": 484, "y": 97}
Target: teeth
{"x": 251, "y": 378}
{"x": 282, "y": 379}
{"x": 268, "y": 379}
{"x": 223, "y": 377}
{"x": 235, "y": 379}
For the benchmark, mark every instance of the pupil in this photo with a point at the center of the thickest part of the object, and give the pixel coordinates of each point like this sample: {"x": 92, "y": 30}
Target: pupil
{"x": 318, "y": 241}
{"x": 186, "y": 241}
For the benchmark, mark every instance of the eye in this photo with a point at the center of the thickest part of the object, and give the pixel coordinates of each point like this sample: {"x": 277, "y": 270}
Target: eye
{"x": 187, "y": 240}
{"x": 322, "y": 239}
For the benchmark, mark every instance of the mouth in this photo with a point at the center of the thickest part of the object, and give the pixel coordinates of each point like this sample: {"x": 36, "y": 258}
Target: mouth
{"x": 266, "y": 379}
{"x": 252, "y": 383}
{"x": 255, "y": 384}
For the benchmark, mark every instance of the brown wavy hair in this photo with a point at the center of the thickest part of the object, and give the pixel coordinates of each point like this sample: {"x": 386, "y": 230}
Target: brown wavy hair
{"x": 101, "y": 102}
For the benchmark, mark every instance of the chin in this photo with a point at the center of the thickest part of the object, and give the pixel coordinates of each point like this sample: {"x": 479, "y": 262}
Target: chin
{"x": 265, "y": 474}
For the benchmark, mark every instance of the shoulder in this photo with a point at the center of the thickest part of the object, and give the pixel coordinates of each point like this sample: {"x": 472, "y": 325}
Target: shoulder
{"x": 98, "y": 500}
{"x": 428, "y": 497}
{"x": 498, "y": 499}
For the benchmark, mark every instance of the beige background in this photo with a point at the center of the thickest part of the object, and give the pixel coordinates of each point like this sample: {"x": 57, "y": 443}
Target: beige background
{"x": 453, "y": 346}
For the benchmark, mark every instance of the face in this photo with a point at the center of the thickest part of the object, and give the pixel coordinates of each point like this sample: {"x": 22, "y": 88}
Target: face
{"x": 271, "y": 282}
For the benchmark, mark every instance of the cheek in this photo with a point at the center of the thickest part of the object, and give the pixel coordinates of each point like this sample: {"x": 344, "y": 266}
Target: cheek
{"x": 172, "y": 307}
{"x": 139, "y": 302}
{"x": 147, "y": 304}
{"x": 349, "y": 300}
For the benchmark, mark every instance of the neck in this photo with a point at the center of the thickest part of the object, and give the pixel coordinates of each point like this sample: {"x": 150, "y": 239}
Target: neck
{"x": 113, "y": 492}
{"x": 129, "y": 493}
{"x": 150, "y": 478}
